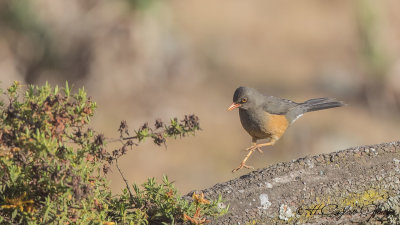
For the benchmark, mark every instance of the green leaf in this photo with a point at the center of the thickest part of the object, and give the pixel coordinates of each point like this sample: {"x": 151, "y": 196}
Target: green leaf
{"x": 67, "y": 90}
{"x": 56, "y": 90}
{"x": 14, "y": 213}
{"x": 14, "y": 171}
{"x": 47, "y": 208}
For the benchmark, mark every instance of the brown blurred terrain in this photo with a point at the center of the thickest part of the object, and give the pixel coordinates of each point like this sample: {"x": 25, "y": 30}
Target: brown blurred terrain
{"x": 147, "y": 59}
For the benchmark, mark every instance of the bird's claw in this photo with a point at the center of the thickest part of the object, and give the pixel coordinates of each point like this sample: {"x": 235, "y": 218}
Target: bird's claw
{"x": 242, "y": 165}
{"x": 249, "y": 148}
{"x": 252, "y": 148}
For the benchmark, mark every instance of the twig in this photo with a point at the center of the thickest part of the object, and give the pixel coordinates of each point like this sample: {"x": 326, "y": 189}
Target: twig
{"x": 110, "y": 140}
{"x": 125, "y": 180}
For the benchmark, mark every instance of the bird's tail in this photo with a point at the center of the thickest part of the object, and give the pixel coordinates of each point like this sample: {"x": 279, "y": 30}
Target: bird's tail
{"x": 320, "y": 104}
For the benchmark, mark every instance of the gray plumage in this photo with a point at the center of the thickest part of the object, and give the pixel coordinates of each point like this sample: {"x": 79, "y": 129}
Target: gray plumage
{"x": 252, "y": 112}
{"x": 268, "y": 117}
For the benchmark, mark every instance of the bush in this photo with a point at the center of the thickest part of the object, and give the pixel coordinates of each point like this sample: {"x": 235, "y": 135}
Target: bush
{"x": 52, "y": 165}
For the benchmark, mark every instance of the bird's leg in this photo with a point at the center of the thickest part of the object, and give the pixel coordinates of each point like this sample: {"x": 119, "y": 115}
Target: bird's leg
{"x": 254, "y": 146}
{"x": 258, "y": 146}
{"x": 243, "y": 163}
{"x": 272, "y": 142}
{"x": 251, "y": 149}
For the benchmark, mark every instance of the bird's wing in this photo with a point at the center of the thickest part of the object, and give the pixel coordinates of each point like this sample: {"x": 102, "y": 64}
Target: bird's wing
{"x": 280, "y": 106}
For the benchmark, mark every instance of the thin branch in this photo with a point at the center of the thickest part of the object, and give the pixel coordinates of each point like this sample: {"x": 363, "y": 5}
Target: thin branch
{"x": 125, "y": 180}
{"x": 110, "y": 140}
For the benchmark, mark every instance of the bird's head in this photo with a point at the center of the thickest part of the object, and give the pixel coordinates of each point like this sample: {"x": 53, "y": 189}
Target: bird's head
{"x": 244, "y": 98}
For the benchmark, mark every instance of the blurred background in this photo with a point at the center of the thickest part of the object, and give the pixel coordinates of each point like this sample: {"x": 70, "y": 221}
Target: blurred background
{"x": 147, "y": 59}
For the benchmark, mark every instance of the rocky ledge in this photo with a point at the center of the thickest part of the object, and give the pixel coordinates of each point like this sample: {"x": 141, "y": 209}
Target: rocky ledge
{"x": 357, "y": 185}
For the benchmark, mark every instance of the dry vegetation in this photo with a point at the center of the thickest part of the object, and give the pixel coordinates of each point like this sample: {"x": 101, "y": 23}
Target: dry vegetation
{"x": 53, "y": 166}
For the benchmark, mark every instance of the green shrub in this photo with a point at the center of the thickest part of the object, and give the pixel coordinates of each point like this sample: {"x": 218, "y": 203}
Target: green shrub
{"x": 52, "y": 165}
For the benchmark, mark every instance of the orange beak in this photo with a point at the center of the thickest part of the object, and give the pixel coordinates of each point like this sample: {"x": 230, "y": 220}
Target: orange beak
{"x": 234, "y": 106}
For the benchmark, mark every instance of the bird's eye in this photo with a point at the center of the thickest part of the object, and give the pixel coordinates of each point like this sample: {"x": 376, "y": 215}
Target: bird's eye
{"x": 244, "y": 100}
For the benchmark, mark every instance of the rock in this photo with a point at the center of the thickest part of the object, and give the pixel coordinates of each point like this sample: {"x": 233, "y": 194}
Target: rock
{"x": 333, "y": 188}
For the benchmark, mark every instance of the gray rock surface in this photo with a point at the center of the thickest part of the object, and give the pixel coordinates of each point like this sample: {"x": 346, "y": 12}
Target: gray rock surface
{"x": 342, "y": 187}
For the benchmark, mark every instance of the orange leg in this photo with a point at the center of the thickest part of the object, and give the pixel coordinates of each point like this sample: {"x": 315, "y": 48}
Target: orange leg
{"x": 258, "y": 146}
{"x": 251, "y": 149}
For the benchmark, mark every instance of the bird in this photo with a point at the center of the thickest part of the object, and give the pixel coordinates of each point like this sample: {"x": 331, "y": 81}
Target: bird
{"x": 268, "y": 117}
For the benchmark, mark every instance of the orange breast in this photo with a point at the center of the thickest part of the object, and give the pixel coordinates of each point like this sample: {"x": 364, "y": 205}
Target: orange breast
{"x": 276, "y": 125}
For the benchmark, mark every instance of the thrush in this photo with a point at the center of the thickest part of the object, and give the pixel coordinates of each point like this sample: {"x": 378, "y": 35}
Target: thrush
{"x": 268, "y": 117}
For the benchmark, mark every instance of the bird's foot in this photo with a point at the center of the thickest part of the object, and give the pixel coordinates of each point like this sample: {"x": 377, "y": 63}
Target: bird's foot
{"x": 254, "y": 147}
{"x": 242, "y": 165}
